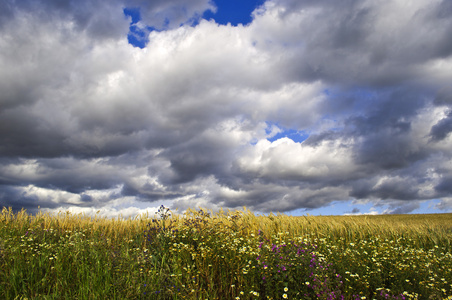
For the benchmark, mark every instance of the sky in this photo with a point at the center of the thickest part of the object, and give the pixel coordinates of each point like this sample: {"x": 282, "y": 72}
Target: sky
{"x": 293, "y": 106}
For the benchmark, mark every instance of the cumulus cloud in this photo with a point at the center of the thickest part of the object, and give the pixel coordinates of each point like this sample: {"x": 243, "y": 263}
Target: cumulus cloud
{"x": 88, "y": 121}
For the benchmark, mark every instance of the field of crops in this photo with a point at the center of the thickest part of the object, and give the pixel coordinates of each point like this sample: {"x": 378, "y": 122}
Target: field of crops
{"x": 227, "y": 255}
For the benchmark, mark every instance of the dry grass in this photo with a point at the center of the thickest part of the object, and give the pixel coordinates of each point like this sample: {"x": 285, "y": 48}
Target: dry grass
{"x": 202, "y": 255}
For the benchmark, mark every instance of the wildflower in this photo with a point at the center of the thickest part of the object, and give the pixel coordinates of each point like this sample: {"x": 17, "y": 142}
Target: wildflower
{"x": 284, "y": 296}
{"x": 286, "y": 289}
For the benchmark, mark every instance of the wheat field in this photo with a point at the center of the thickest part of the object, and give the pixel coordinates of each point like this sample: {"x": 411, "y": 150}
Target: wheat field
{"x": 225, "y": 255}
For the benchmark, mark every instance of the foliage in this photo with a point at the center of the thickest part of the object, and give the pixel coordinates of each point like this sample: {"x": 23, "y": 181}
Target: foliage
{"x": 227, "y": 255}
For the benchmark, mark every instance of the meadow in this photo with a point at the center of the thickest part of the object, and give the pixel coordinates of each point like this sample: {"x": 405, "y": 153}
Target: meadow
{"x": 226, "y": 255}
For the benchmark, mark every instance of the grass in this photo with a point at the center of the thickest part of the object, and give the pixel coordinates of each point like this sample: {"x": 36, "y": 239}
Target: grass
{"x": 228, "y": 255}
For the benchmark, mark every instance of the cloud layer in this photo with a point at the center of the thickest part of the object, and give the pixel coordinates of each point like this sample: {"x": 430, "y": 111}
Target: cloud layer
{"x": 90, "y": 122}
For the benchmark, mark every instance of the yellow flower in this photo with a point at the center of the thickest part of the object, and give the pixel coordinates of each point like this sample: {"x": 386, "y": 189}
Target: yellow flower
{"x": 286, "y": 289}
{"x": 284, "y": 296}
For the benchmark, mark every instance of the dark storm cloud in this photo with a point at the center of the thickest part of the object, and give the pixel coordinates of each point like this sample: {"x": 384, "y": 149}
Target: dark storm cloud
{"x": 386, "y": 132}
{"x": 204, "y": 155}
{"x": 402, "y": 208}
{"x": 87, "y": 120}
{"x": 442, "y": 129}
{"x": 98, "y": 18}
{"x": 12, "y": 197}
{"x": 68, "y": 174}
{"x": 355, "y": 210}
{"x": 443, "y": 96}
{"x": 397, "y": 188}
{"x": 6, "y": 12}
{"x": 355, "y": 45}
{"x": 444, "y": 187}
{"x": 21, "y": 134}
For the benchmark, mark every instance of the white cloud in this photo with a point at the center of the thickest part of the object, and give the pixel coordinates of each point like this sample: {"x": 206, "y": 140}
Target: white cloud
{"x": 106, "y": 212}
{"x": 445, "y": 205}
{"x": 286, "y": 159}
{"x": 49, "y": 195}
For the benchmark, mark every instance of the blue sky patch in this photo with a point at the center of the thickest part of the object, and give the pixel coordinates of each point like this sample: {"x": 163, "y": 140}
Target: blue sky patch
{"x": 233, "y": 11}
{"x": 137, "y": 37}
{"x": 297, "y": 136}
{"x": 228, "y": 11}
